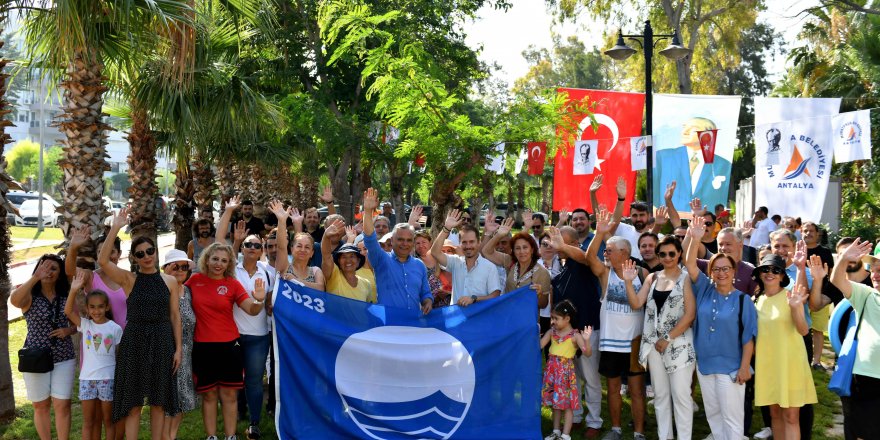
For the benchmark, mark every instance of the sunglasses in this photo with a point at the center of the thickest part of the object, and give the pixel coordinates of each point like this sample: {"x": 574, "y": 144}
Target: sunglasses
{"x": 466, "y": 219}
{"x": 670, "y": 254}
{"x": 251, "y": 245}
{"x": 770, "y": 269}
{"x": 142, "y": 254}
{"x": 708, "y": 223}
{"x": 180, "y": 267}
{"x": 724, "y": 269}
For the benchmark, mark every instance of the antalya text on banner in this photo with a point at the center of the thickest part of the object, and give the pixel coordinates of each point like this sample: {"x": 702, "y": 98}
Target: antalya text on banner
{"x": 348, "y": 369}
{"x": 677, "y": 153}
{"x": 619, "y": 116}
{"x": 797, "y": 185}
{"x": 851, "y": 136}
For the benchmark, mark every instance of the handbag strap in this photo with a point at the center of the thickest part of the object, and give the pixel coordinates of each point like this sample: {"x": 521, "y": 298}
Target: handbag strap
{"x": 861, "y": 315}
{"x": 741, "y": 326}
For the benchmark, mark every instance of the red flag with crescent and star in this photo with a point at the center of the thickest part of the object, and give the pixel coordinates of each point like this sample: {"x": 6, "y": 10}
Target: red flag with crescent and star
{"x": 537, "y": 154}
{"x": 707, "y": 144}
{"x": 619, "y": 116}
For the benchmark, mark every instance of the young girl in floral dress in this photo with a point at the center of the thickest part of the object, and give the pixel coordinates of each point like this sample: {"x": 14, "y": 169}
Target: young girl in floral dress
{"x": 560, "y": 390}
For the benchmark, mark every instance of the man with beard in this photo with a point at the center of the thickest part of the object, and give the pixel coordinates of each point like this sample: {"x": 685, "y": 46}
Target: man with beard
{"x": 312, "y": 224}
{"x": 647, "y": 247}
{"x": 474, "y": 278}
{"x": 253, "y": 224}
{"x": 203, "y": 237}
{"x": 810, "y": 233}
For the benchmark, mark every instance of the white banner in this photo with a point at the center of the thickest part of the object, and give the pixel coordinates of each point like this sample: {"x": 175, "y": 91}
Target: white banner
{"x": 497, "y": 163}
{"x": 796, "y": 186}
{"x": 677, "y": 153}
{"x": 585, "y": 155}
{"x": 639, "y": 152}
{"x": 851, "y": 134}
{"x": 771, "y": 143}
{"x": 520, "y": 160}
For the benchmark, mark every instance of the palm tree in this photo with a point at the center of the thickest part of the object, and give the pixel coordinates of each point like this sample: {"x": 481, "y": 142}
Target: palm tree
{"x": 71, "y": 40}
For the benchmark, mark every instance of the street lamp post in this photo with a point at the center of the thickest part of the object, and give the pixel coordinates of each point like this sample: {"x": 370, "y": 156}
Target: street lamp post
{"x": 675, "y": 51}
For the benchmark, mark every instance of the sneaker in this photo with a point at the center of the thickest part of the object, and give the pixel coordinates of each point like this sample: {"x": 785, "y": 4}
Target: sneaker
{"x": 613, "y": 435}
{"x": 818, "y": 367}
{"x": 764, "y": 434}
{"x": 638, "y": 436}
{"x": 565, "y": 437}
{"x": 232, "y": 437}
{"x": 554, "y": 436}
{"x": 649, "y": 391}
{"x": 592, "y": 433}
{"x": 211, "y": 437}
{"x": 253, "y": 432}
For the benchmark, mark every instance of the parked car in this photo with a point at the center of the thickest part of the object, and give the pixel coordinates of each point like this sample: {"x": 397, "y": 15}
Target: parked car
{"x": 500, "y": 213}
{"x": 18, "y": 197}
{"x": 322, "y": 212}
{"x": 29, "y": 213}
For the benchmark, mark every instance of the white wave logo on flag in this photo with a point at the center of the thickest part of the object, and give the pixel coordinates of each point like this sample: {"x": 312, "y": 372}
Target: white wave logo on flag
{"x": 405, "y": 382}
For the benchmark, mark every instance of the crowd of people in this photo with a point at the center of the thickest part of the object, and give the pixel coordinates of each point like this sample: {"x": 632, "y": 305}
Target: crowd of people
{"x": 647, "y": 302}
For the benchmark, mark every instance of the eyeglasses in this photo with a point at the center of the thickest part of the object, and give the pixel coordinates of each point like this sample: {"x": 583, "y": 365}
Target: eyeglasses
{"x": 708, "y": 223}
{"x": 544, "y": 244}
{"x": 770, "y": 269}
{"x": 180, "y": 267}
{"x": 251, "y": 245}
{"x": 466, "y": 219}
{"x": 724, "y": 269}
{"x": 142, "y": 254}
{"x": 670, "y": 254}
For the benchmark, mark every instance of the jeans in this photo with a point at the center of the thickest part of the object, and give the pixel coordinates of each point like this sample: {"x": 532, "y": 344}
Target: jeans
{"x": 254, "y": 349}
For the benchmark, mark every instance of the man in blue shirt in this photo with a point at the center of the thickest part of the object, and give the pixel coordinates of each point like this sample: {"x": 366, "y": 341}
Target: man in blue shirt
{"x": 401, "y": 280}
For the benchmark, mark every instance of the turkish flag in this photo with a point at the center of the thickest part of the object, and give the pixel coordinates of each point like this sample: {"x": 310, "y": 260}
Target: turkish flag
{"x": 707, "y": 144}
{"x": 619, "y": 116}
{"x": 419, "y": 160}
{"x": 537, "y": 154}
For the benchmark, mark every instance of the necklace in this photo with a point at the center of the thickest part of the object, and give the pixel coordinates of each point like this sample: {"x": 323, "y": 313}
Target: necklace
{"x": 519, "y": 279}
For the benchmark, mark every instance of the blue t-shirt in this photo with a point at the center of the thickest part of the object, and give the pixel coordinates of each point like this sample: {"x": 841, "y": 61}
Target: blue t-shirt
{"x": 716, "y": 329}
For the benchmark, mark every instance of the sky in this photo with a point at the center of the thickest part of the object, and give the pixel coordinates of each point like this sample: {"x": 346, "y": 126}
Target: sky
{"x": 505, "y": 35}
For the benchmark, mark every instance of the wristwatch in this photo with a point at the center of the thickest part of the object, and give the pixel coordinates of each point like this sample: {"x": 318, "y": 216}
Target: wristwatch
{"x": 474, "y": 298}
{"x": 666, "y": 337}
{"x": 256, "y": 301}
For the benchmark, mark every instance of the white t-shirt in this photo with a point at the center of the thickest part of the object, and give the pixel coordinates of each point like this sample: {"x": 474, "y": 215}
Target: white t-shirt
{"x": 555, "y": 269}
{"x": 761, "y": 235}
{"x": 620, "y": 323}
{"x": 629, "y": 232}
{"x": 273, "y": 281}
{"x": 481, "y": 280}
{"x": 99, "y": 349}
{"x": 251, "y": 325}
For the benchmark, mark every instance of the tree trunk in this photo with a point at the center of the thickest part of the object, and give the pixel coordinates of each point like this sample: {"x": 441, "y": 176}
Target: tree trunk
{"x": 184, "y": 212}
{"x": 84, "y": 145}
{"x": 296, "y": 192}
{"x": 445, "y": 199}
{"x": 345, "y": 191}
{"x": 227, "y": 180}
{"x": 7, "y": 395}
{"x": 547, "y": 196}
{"x": 310, "y": 191}
{"x": 204, "y": 184}
{"x": 243, "y": 182}
{"x": 396, "y": 175}
{"x": 520, "y": 197}
{"x": 142, "y": 173}
{"x": 263, "y": 189}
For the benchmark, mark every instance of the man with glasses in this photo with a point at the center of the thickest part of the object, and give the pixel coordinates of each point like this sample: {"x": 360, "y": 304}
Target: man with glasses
{"x": 639, "y": 216}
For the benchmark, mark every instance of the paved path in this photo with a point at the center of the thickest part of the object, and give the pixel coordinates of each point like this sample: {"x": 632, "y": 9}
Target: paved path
{"x": 19, "y": 274}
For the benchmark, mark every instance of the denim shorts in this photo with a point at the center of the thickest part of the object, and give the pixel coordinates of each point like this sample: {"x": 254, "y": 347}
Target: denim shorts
{"x": 96, "y": 389}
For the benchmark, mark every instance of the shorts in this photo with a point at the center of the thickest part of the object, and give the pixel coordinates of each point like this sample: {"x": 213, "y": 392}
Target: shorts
{"x": 614, "y": 364}
{"x": 101, "y": 389}
{"x": 820, "y": 319}
{"x": 57, "y": 383}
{"x": 217, "y": 364}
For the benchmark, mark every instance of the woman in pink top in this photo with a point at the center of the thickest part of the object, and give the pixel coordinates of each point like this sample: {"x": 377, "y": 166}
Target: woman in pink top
{"x": 99, "y": 280}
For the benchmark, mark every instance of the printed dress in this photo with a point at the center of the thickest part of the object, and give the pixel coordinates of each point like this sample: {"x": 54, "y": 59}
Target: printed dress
{"x": 186, "y": 388}
{"x": 560, "y": 383}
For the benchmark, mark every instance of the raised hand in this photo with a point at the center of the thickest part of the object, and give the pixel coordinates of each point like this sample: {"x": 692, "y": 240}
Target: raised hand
{"x": 80, "y": 236}
{"x": 817, "y": 268}
{"x": 295, "y": 216}
{"x": 277, "y": 208}
{"x": 490, "y": 225}
{"x": 603, "y": 222}
{"x": 359, "y": 227}
{"x": 800, "y": 254}
{"x": 506, "y": 226}
{"x": 527, "y": 220}
{"x": 588, "y": 331}
{"x": 259, "y": 289}
{"x": 696, "y": 207}
{"x": 856, "y": 251}
{"x": 240, "y": 232}
{"x": 43, "y": 270}
{"x": 415, "y": 214}
{"x": 121, "y": 218}
{"x": 630, "y": 270}
{"x": 79, "y": 280}
{"x": 696, "y": 231}
{"x": 335, "y": 229}
{"x": 350, "y": 233}
{"x": 327, "y": 195}
{"x": 371, "y": 201}
{"x": 621, "y": 188}
{"x": 660, "y": 215}
{"x": 563, "y": 214}
{"x": 747, "y": 228}
{"x": 597, "y": 183}
{"x": 797, "y": 297}
{"x": 556, "y": 241}
{"x": 233, "y": 203}
{"x": 453, "y": 220}
{"x": 670, "y": 191}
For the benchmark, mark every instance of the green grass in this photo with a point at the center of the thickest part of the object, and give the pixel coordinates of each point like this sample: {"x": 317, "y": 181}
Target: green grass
{"x": 191, "y": 428}
{"x": 32, "y": 234}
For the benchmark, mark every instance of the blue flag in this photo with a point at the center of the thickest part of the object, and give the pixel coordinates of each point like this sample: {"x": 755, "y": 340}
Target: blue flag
{"x": 348, "y": 369}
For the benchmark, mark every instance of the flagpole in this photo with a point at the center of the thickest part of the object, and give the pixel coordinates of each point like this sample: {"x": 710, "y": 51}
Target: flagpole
{"x": 674, "y": 51}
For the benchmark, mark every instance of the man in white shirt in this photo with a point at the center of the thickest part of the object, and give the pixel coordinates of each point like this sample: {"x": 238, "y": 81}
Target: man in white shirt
{"x": 474, "y": 278}
{"x": 763, "y": 227}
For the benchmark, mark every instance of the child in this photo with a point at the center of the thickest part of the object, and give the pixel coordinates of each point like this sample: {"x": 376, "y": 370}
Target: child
{"x": 560, "y": 383}
{"x": 100, "y": 337}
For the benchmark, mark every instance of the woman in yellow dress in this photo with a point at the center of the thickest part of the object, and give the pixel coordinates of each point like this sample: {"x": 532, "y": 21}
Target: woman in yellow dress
{"x": 782, "y": 371}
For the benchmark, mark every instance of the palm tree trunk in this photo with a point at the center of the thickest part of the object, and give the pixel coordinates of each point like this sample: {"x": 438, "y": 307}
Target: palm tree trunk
{"x": 263, "y": 189}
{"x": 7, "y": 397}
{"x": 142, "y": 173}
{"x": 84, "y": 148}
{"x": 310, "y": 191}
{"x": 227, "y": 180}
{"x": 243, "y": 182}
{"x": 203, "y": 182}
{"x": 296, "y": 192}
{"x": 184, "y": 209}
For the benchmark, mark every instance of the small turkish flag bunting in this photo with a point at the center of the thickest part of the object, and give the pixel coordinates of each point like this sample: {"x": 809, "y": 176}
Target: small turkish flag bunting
{"x": 707, "y": 144}
{"x": 537, "y": 153}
